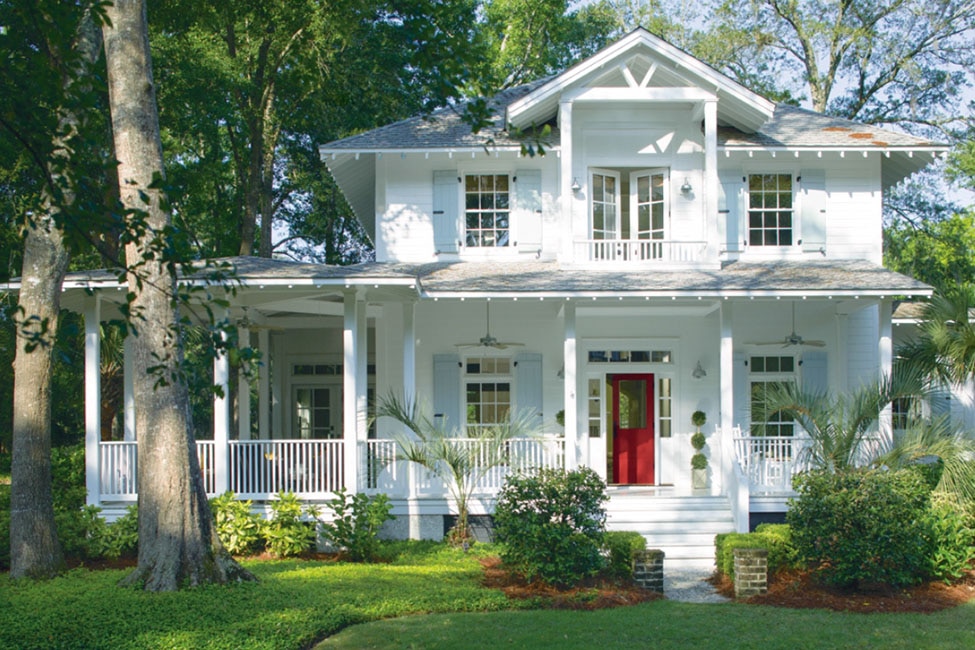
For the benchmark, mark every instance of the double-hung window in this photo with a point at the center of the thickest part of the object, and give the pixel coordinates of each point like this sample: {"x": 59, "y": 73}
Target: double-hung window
{"x": 771, "y": 218}
{"x": 487, "y": 382}
{"x": 487, "y": 210}
{"x": 766, "y": 373}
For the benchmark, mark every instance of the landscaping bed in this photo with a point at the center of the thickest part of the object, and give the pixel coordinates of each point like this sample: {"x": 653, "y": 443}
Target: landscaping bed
{"x": 800, "y": 590}
{"x": 595, "y": 593}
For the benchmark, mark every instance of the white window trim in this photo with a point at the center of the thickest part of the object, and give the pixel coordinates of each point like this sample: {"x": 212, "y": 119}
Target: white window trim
{"x": 769, "y": 377}
{"x": 772, "y": 252}
{"x": 482, "y": 252}
{"x": 509, "y": 378}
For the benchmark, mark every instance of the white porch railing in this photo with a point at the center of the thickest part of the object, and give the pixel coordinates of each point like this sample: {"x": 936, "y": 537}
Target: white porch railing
{"x": 119, "y": 465}
{"x": 769, "y": 462}
{"x": 639, "y": 250}
{"x": 314, "y": 469}
{"x": 260, "y": 469}
{"x": 383, "y": 473}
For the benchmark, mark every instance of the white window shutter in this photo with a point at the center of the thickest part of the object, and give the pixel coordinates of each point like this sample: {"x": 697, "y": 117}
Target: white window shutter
{"x": 528, "y": 208}
{"x": 446, "y": 391}
{"x": 814, "y": 377}
{"x": 813, "y": 220}
{"x": 742, "y": 390}
{"x": 729, "y": 211}
{"x": 445, "y": 211}
{"x": 528, "y": 386}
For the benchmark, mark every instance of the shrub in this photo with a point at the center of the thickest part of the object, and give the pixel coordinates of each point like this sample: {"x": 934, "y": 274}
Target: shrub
{"x": 288, "y": 532}
{"x": 621, "y": 546}
{"x": 775, "y": 538}
{"x": 81, "y": 532}
{"x": 356, "y": 523}
{"x": 863, "y": 526}
{"x": 952, "y": 542}
{"x": 552, "y": 524}
{"x": 238, "y": 528}
{"x": 698, "y": 441}
{"x": 121, "y": 538}
{"x": 699, "y": 461}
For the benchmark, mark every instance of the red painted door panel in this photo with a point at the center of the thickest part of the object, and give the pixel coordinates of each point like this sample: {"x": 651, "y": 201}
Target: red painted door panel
{"x": 633, "y": 416}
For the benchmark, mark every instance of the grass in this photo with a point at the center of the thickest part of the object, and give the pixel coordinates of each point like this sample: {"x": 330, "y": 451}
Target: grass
{"x": 429, "y": 596}
{"x": 294, "y": 604}
{"x": 666, "y": 624}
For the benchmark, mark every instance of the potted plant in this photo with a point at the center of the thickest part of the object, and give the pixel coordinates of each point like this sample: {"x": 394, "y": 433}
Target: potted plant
{"x": 699, "y": 462}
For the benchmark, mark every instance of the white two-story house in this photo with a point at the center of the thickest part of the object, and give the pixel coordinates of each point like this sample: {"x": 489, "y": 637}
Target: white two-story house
{"x": 682, "y": 244}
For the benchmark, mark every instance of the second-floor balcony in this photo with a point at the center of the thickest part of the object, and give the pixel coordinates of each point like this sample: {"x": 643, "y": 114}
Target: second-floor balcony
{"x": 641, "y": 251}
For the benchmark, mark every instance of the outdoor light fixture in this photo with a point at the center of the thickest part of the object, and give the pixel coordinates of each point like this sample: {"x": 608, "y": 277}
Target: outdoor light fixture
{"x": 686, "y": 187}
{"x": 575, "y": 185}
{"x": 699, "y": 372}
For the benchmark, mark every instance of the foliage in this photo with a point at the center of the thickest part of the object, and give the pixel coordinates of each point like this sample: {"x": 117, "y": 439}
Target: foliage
{"x": 121, "y": 538}
{"x": 775, "y": 538}
{"x": 698, "y": 441}
{"x": 942, "y": 454}
{"x": 945, "y": 346}
{"x": 551, "y": 524}
{"x": 239, "y": 529}
{"x": 288, "y": 531}
{"x": 862, "y": 526}
{"x": 699, "y": 461}
{"x": 460, "y": 466}
{"x": 952, "y": 541}
{"x": 698, "y": 419}
{"x": 620, "y": 547}
{"x": 357, "y": 519}
{"x": 935, "y": 251}
{"x": 839, "y": 426}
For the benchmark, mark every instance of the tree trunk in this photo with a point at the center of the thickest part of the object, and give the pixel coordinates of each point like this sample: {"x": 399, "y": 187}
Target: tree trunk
{"x": 35, "y": 551}
{"x": 178, "y": 545}
{"x": 34, "y": 548}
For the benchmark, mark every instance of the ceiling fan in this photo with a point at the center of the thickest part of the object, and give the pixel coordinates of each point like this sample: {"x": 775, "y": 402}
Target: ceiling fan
{"x": 794, "y": 339}
{"x": 488, "y": 341}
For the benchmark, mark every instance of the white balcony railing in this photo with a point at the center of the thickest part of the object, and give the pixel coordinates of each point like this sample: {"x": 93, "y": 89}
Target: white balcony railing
{"x": 640, "y": 250}
{"x": 769, "y": 462}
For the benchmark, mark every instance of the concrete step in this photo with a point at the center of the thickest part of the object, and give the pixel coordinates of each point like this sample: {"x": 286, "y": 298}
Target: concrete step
{"x": 683, "y": 527}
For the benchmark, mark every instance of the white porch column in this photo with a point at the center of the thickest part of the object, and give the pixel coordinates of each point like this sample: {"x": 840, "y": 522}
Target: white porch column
{"x": 409, "y": 351}
{"x": 565, "y": 189}
{"x": 726, "y": 400}
{"x": 350, "y": 383}
{"x": 362, "y": 372}
{"x": 712, "y": 232}
{"x": 221, "y": 422}
{"x": 727, "y": 370}
{"x": 264, "y": 386}
{"x": 243, "y": 390}
{"x": 93, "y": 401}
{"x": 573, "y": 442}
{"x": 128, "y": 390}
{"x": 886, "y": 358}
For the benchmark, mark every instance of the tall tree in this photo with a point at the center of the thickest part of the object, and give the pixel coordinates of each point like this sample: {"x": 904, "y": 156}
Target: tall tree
{"x": 248, "y": 81}
{"x": 902, "y": 62}
{"x": 34, "y": 547}
{"x": 937, "y": 252}
{"x": 178, "y": 545}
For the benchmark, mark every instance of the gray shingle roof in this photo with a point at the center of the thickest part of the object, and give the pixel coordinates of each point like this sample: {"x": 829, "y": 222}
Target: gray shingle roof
{"x": 820, "y": 277}
{"x": 445, "y": 128}
{"x": 790, "y": 126}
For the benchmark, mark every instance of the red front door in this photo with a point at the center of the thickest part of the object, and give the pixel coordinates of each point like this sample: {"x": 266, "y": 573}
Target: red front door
{"x": 633, "y": 453}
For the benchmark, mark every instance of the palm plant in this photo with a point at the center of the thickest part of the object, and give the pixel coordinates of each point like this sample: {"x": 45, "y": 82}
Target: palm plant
{"x": 839, "y": 426}
{"x": 435, "y": 447}
{"x": 945, "y": 347}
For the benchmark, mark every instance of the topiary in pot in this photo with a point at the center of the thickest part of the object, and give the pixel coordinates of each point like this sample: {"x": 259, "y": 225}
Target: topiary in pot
{"x": 699, "y": 419}
{"x": 699, "y": 462}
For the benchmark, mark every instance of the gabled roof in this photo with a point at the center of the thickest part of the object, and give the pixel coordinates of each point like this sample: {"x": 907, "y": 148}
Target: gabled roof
{"x": 642, "y": 61}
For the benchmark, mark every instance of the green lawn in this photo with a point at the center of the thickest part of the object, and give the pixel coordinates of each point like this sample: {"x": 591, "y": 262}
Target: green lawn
{"x": 298, "y": 602}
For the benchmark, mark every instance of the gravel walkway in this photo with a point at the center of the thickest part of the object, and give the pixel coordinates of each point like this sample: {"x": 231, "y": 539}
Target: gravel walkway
{"x": 690, "y": 586}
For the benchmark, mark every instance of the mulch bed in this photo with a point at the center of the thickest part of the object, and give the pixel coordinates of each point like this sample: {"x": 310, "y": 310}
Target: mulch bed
{"x": 594, "y": 594}
{"x": 800, "y": 590}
